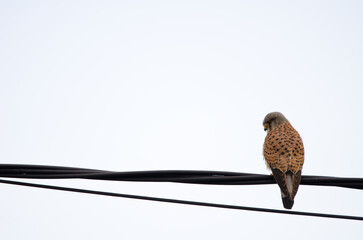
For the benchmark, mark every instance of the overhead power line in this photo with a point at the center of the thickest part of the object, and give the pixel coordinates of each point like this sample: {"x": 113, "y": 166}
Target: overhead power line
{"x": 178, "y": 176}
{"x": 177, "y": 201}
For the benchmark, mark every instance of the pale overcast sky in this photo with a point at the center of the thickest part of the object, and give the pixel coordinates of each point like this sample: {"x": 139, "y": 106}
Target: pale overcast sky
{"x": 183, "y": 85}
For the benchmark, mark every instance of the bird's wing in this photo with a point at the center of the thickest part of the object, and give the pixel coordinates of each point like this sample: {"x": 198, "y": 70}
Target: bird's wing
{"x": 296, "y": 178}
{"x": 281, "y": 179}
{"x": 284, "y": 154}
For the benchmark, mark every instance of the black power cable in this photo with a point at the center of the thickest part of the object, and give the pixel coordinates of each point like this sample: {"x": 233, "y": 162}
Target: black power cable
{"x": 204, "y": 204}
{"x": 179, "y": 176}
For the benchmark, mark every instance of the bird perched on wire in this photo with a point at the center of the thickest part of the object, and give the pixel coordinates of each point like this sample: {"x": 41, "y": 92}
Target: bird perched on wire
{"x": 283, "y": 151}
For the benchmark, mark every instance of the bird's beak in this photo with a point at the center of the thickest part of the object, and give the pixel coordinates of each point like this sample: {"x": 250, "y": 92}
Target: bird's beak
{"x": 265, "y": 127}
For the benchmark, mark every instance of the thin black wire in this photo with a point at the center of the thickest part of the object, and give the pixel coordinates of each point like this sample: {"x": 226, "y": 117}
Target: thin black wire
{"x": 178, "y": 176}
{"x": 204, "y": 204}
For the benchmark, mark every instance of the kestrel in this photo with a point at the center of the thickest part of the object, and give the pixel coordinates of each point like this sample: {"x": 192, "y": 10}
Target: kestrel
{"x": 283, "y": 151}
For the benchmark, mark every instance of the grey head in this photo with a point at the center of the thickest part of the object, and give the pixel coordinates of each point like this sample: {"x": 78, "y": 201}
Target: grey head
{"x": 273, "y": 120}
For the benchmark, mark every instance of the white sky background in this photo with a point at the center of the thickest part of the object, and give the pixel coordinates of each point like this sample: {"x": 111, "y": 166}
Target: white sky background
{"x": 122, "y": 86}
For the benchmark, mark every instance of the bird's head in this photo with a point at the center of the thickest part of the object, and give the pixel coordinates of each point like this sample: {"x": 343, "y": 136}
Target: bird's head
{"x": 273, "y": 120}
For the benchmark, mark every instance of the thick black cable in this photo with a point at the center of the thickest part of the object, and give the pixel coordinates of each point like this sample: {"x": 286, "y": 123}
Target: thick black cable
{"x": 185, "y": 202}
{"x": 178, "y": 176}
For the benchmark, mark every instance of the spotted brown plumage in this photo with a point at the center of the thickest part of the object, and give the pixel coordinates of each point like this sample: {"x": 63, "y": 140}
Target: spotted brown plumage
{"x": 283, "y": 151}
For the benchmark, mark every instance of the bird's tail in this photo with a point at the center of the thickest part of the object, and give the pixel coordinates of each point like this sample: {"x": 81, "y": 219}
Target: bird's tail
{"x": 288, "y": 203}
{"x": 288, "y": 200}
{"x": 289, "y": 184}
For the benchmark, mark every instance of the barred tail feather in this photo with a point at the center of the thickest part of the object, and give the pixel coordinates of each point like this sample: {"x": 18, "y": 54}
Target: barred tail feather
{"x": 289, "y": 184}
{"x": 287, "y": 202}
